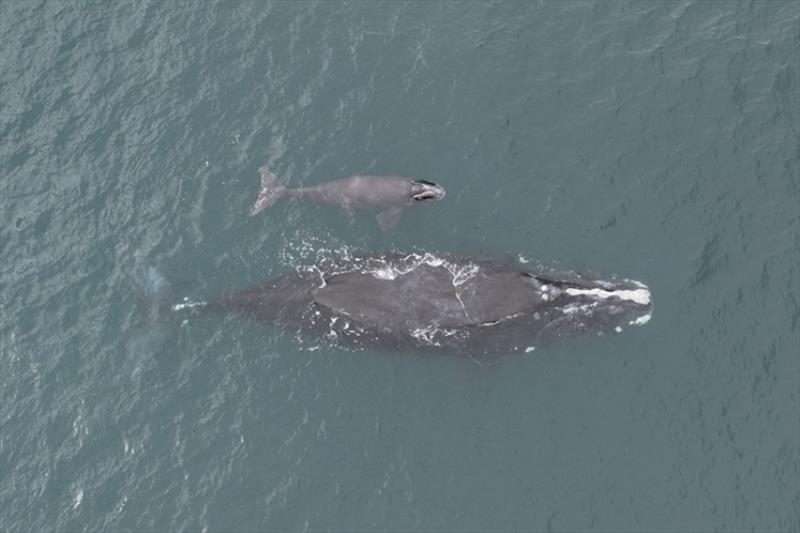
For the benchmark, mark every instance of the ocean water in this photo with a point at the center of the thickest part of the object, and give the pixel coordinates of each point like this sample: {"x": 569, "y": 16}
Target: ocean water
{"x": 651, "y": 140}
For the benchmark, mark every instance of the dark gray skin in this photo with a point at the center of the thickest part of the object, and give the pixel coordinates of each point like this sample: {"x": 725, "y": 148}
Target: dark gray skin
{"x": 387, "y": 194}
{"x": 438, "y": 303}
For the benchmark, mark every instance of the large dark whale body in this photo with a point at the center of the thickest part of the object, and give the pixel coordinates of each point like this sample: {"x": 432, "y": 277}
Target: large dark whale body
{"x": 440, "y": 303}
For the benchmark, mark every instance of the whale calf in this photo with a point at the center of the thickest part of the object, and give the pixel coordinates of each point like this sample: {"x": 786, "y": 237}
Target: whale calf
{"x": 388, "y": 194}
{"x": 428, "y": 302}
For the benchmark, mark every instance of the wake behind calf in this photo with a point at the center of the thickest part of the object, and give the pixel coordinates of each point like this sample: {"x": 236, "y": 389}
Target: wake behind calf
{"x": 388, "y": 194}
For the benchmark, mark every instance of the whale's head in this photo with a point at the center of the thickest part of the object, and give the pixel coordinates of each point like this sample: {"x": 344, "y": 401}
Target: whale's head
{"x": 426, "y": 191}
{"x": 577, "y": 304}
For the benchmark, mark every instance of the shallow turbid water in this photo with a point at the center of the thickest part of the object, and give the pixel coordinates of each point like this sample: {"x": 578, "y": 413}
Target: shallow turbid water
{"x": 651, "y": 140}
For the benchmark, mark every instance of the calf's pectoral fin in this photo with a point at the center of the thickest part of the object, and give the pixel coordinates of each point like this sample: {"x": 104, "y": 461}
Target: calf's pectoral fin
{"x": 390, "y": 217}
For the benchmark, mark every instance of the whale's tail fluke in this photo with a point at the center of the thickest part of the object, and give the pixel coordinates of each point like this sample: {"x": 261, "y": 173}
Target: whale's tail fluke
{"x": 163, "y": 303}
{"x": 153, "y": 323}
{"x": 161, "y": 309}
{"x": 271, "y": 190}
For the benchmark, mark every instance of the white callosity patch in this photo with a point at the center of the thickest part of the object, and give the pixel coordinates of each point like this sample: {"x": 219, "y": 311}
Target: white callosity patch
{"x": 571, "y": 309}
{"x": 644, "y": 319}
{"x": 640, "y": 296}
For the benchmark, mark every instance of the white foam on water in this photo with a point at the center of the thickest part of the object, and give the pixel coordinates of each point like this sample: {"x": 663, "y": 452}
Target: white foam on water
{"x": 77, "y": 498}
{"x": 187, "y": 305}
{"x": 385, "y": 272}
{"x": 428, "y": 334}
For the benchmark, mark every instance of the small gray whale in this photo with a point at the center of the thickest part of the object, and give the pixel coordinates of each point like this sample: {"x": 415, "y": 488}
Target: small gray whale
{"x": 437, "y": 302}
{"x": 388, "y": 194}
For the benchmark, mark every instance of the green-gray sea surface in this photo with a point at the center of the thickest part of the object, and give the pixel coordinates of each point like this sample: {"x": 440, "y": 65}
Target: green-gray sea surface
{"x": 651, "y": 140}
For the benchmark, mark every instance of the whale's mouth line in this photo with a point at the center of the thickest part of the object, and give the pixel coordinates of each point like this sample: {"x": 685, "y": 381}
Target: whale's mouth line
{"x": 428, "y": 195}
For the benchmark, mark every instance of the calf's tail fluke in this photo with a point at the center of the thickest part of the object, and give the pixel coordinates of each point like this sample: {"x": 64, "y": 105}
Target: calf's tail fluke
{"x": 271, "y": 190}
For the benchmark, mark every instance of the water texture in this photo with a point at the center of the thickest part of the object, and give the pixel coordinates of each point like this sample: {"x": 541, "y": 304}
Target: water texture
{"x": 651, "y": 140}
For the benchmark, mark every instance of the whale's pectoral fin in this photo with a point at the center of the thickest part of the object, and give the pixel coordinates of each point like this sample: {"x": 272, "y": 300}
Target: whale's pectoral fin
{"x": 271, "y": 190}
{"x": 389, "y": 218}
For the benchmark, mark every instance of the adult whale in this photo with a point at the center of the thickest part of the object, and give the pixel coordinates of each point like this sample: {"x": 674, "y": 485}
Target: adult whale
{"x": 388, "y": 194}
{"x": 437, "y": 302}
